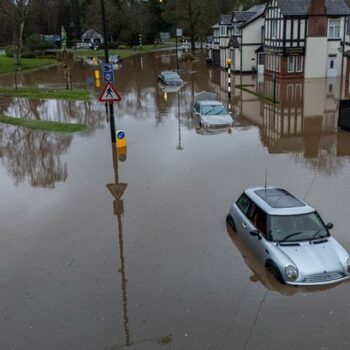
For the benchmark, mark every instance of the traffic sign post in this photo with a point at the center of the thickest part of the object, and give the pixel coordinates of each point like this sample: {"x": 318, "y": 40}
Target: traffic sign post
{"x": 109, "y": 94}
{"x": 107, "y": 73}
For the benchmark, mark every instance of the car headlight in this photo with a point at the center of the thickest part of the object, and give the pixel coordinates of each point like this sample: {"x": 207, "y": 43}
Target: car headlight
{"x": 292, "y": 272}
{"x": 347, "y": 264}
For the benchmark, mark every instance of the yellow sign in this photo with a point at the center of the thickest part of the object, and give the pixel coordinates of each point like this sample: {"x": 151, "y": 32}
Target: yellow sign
{"x": 121, "y": 139}
{"x": 97, "y": 74}
{"x": 98, "y": 83}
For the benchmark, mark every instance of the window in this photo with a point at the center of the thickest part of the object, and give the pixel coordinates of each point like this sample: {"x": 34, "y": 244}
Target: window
{"x": 291, "y": 64}
{"x": 223, "y": 31}
{"x": 299, "y": 64}
{"x": 258, "y": 218}
{"x": 243, "y": 203}
{"x": 237, "y": 30}
{"x": 331, "y": 64}
{"x": 334, "y": 28}
{"x": 295, "y": 228}
{"x": 274, "y": 29}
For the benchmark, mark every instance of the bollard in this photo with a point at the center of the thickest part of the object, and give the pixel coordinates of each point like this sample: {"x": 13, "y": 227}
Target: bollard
{"x": 121, "y": 139}
{"x": 229, "y": 62}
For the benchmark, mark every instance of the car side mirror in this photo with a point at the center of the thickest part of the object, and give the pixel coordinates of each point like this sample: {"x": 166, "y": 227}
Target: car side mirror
{"x": 329, "y": 226}
{"x": 255, "y": 233}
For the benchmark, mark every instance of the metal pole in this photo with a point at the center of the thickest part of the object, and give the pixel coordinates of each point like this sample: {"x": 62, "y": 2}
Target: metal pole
{"x": 274, "y": 87}
{"x": 177, "y": 56}
{"x": 229, "y": 80}
{"x": 105, "y": 39}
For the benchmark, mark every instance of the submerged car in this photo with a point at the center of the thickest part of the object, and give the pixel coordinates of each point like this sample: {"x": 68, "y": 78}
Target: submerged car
{"x": 289, "y": 237}
{"x": 210, "y": 113}
{"x": 170, "y": 78}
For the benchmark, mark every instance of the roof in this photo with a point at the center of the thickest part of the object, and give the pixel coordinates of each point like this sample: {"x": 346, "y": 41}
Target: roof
{"x": 243, "y": 16}
{"x": 91, "y": 32}
{"x": 301, "y": 7}
{"x": 204, "y": 96}
{"x": 260, "y": 11}
{"x": 225, "y": 20}
{"x": 277, "y": 201}
{"x": 234, "y": 42}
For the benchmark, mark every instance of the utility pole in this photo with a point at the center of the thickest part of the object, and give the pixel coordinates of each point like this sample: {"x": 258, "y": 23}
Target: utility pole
{"x": 176, "y": 45}
{"x": 105, "y": 40}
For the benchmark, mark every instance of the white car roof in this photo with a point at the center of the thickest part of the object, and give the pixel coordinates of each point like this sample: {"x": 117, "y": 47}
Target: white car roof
{"x": 211, "y": 103}
{"x": 204, "y": 96}
{"x": 277, "y": 201}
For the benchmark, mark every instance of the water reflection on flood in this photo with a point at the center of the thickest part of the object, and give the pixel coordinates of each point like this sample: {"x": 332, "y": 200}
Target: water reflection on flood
{"x": 35, "y": 156}
{"x": 303, "y": 124}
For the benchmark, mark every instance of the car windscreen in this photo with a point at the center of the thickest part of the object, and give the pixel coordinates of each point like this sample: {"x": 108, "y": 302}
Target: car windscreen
{"x": 295, "y": 228}
{"x": 171, "y": 76}
{"x": 213, "y": 110}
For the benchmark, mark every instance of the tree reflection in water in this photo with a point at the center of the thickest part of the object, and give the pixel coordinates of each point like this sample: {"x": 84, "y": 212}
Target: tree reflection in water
{"x": 34, "y": 155}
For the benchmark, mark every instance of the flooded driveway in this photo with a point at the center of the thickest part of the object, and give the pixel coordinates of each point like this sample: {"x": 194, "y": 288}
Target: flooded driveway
{"x": 82, "y": 268}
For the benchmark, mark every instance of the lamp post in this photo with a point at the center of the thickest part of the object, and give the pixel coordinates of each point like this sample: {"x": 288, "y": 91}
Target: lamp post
{"x": 105, "y": 40}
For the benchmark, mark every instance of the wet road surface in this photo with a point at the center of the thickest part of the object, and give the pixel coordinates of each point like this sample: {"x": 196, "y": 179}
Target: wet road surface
{"x": 82, "y": 270}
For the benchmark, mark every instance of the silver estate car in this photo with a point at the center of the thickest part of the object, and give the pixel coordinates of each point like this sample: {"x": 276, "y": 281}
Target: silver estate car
{"x": 210, "y": 113}
{"x": 288, "y": 237}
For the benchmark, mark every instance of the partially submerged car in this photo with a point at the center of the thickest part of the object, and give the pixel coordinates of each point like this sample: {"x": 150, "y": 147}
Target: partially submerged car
{"x": 289, "y": 237}
{"x": 170, "y": 78}
{"x": 211, "y": 113}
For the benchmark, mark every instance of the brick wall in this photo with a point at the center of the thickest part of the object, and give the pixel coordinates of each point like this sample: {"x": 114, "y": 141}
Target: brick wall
{"x": 317, "y": 19}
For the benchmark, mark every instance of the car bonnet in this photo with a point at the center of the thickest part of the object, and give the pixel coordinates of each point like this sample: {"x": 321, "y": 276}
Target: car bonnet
{"x": 318, "y": 257}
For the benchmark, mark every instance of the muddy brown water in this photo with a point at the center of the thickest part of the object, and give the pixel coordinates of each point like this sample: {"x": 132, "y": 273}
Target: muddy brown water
{"x": 83, "y": 270}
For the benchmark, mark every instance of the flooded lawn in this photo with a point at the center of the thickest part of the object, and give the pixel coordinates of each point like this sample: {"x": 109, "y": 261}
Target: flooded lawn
{"x": 157, "y": 268}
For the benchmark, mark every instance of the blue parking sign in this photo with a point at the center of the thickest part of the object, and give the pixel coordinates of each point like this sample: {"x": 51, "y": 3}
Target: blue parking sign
{"x": 107, "y": 73}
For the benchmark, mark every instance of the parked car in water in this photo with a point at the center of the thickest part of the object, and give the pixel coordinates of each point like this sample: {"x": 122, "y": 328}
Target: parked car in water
{"x": 289, "y": 237}
{"x": 170, "y": 78}
{"x": 210, "y": 113}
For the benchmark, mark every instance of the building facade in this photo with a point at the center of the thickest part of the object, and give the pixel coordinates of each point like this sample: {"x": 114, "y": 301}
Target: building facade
{"x": 305, "y": 38}
{"x": 287, "y": 39}
{"x": 238, "y": 37}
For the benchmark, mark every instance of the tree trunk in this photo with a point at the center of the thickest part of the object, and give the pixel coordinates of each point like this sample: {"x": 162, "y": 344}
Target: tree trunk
{"x": 20, "y": 43}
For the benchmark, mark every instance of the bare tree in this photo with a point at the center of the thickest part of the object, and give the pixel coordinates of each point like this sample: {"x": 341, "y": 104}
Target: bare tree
{"x": 18, "y": 11}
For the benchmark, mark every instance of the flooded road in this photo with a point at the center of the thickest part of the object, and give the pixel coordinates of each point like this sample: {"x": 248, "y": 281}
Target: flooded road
{"x": 158, "y": 269}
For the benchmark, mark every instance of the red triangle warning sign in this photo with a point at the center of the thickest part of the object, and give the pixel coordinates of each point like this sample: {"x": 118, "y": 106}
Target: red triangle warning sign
{"x": 109, "y": 94}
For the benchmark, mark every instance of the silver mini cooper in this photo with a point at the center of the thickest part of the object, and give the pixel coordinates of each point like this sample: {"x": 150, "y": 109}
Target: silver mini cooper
{"x": 288, "y": 237}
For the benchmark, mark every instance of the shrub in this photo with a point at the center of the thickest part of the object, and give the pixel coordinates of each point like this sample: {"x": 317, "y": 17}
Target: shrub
{"x": 113, "y": 45}
{"x": 10, "y": 51}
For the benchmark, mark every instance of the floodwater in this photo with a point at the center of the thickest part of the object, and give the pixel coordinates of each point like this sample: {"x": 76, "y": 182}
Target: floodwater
{"x": 83, "y": 269}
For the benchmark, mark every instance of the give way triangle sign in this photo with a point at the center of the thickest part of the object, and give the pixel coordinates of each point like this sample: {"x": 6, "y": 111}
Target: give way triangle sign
{"x": 109, "y": 94}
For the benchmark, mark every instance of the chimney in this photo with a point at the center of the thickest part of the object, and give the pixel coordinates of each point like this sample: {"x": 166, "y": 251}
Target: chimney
{"x": 318, "y": 18}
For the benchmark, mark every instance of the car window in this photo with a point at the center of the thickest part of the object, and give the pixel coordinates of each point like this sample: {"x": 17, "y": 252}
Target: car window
{"x": 306, "y": 225}
{"x": 214, "y": 110}
{"x": 198, "y": 108}
{"x": 172, "y": 76}
{"x": 258, "y": 218}
{"x": 243, "y": 203}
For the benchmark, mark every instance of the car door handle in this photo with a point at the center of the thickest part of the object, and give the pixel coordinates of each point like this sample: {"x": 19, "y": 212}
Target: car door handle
{"x": 244, "y": 224}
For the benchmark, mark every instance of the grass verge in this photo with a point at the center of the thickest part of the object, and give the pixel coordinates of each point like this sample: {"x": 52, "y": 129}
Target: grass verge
{"x": 7, "y": 64}
{"x": 35, "y": 93}
{"x": 42, "y": 125}
{"x": 267, "y": 98}
{"x": 123, "y": 53}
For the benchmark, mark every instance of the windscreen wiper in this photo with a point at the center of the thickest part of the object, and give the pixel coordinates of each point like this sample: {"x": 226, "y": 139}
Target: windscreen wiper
{"x": 289, "y": 236}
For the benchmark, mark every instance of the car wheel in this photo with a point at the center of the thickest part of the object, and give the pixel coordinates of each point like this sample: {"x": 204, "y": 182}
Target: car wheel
{"x": 230, "y": 222}
{"x": 275, "y": 272}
